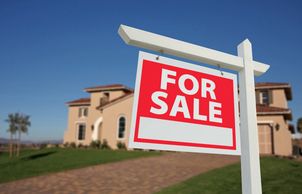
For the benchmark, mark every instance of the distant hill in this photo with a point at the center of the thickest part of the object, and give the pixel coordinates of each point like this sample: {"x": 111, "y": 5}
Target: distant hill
{"x": 6, "y": 141}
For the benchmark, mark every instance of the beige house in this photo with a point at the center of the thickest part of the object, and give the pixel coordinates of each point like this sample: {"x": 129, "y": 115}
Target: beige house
{"x": 107, "y": 114}
{"x": 273, "y": 115}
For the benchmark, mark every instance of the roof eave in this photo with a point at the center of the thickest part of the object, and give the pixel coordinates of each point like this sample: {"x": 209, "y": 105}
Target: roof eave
{"x": 287, "y": 114}
{"x": 78, "y": 104}
{"x": 273, "y": 87}
{"x": 90, "y": 90}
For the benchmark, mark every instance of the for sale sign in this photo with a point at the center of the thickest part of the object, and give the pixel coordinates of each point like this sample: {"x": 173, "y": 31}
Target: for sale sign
{"x": 184, "y": 107}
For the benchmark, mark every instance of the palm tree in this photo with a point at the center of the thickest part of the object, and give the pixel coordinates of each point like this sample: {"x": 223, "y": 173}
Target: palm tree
{"x": 17, "y": 123}
{"x": 23, "y": 124}
{"x": 299, "y": 124}
{"x": 12, "y": 129}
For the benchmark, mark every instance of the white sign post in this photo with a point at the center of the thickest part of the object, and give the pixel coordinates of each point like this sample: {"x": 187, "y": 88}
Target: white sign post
{"x": 247, "y": 68}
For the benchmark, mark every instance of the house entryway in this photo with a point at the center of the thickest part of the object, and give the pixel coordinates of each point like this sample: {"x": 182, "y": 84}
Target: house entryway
{"x": 96, "y": 129}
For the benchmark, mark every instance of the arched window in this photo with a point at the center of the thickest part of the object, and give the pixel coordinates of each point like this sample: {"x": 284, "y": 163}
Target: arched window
{"x": 121, "y": 127}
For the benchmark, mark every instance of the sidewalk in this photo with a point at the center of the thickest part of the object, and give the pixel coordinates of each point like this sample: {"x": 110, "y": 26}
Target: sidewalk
{"x": 143, "y": 175}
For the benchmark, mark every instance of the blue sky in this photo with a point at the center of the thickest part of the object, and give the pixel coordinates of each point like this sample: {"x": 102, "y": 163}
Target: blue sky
{"x": 51, "y": 50}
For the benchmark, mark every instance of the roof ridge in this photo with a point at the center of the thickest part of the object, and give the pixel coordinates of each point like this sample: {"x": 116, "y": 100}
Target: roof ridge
{"x": 108, "y": 87}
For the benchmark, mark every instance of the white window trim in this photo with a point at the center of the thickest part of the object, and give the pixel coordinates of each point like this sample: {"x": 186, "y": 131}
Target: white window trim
{"x": 77, "y": 124}
{"x": 118, "y": 127}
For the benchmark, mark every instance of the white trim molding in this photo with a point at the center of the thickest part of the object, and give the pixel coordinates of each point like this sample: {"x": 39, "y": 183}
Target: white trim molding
{"x": 118, "y": 127}
{"x": 96, "y": 126}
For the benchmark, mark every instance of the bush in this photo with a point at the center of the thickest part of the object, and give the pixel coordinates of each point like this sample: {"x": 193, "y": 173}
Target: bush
{"x": 120, "y": 145}
{"x": 80, "y": 145}
{"x": 105, "y": 144}
{"x": 73, "y": 145}
{"x": 66, "y": 144}
{"x": 95, "y": 144}
{"x": 42, "y": 146}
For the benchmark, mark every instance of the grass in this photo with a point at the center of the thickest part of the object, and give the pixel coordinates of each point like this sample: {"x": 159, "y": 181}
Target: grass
{"x": 39, "y": 162}
{"x": 279, "y": 176}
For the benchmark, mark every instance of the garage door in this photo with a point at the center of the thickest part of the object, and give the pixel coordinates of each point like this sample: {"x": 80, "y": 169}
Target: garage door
{"x": 265, "y": 139}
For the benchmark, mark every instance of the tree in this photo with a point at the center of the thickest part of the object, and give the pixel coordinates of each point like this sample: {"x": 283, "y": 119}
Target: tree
{"x": 299, "y": 124}
{"x": 18, "y": 123}
{"x": 12, "y": 129}
{"x": 23, "y": 123}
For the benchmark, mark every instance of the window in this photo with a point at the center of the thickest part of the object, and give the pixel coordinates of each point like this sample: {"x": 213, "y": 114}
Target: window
{"x": 121, "y": 127}
{"x": 81, "y": 131}
{"x": 83, "y": 112}
{"x": 105, "y": 99}
{"x": 106, "y": 94}
{"x": 264, "y": 97}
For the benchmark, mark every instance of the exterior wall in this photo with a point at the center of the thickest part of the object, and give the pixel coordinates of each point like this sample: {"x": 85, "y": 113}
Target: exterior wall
{"x": 110, "y": 126}
{"x": 71, "y": 134}
{"x": 279, "y": 98}
{"x": 282, "y": 136}
{"x": 95, "y": 98}
{"x": 115, "y": 94}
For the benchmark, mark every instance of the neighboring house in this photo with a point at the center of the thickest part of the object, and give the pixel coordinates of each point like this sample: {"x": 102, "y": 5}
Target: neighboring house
{"x": 273, "y": 115}
{"x": 107, "y": 115}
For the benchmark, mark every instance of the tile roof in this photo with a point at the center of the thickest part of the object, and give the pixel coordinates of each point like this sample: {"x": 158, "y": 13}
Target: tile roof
{"x": 265, "y": 109}
{"x": 108, "y": 87}
{"x": 80, "y": 101}
{"x": 269, "y": 110}
{"x": 272, "y": 84}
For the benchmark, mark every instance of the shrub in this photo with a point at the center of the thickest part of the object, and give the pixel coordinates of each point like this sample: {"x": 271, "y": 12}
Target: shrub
{"x": 42, "y": 145}
{"x": 80, "y": 145}
{"x": 66, "y": 144}
{"x": 105, "y": 144}
{"x": 95, "y": 144}
{"x": 120, "y": 145}
{"x": 73, "y": 145}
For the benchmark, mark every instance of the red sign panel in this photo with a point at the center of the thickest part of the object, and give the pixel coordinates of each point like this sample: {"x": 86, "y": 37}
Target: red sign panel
{"x": 184, "y": 107}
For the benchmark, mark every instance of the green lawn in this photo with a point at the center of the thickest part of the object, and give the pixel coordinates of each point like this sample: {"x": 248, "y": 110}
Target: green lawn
{"x": 38, "y": 162}
{"x": 279, "y": 176}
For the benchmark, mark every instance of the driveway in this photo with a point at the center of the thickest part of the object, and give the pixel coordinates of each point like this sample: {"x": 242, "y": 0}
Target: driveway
{"x": 142, "y": 175}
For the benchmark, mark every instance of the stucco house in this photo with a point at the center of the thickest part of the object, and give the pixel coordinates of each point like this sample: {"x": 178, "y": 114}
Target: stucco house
{"x": 106, "y": 114}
